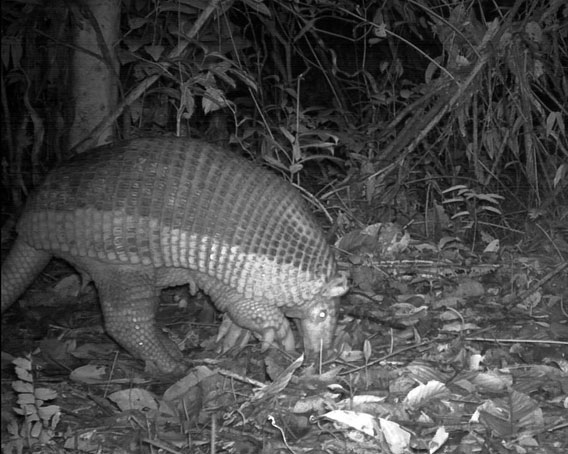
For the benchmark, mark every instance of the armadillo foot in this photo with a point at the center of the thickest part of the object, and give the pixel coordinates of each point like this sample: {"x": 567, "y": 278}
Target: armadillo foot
{"x": 232, "y": 335}
{"x": 279, "y": 334}
{"x": 269, "y": 337}
{"x": 284, "y": 336}
{"x": 287, "y": 338}
{"x": 244, "y": 316}
{"x": 267, "y": 322}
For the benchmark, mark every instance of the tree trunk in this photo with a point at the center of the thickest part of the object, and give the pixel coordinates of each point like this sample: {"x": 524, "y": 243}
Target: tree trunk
{"x": 95, "y": 80}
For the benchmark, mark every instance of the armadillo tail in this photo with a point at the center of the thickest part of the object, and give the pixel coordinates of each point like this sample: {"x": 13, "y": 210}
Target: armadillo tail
{"x": 19, "y": 270}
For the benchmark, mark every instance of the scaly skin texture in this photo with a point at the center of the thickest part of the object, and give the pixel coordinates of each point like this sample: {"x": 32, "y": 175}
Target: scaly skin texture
{"x": 146, "y": 214}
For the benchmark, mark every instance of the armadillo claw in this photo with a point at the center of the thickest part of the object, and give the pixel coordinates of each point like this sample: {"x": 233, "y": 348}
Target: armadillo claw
{"x": 267, "y": 339}
{"x": 232, "y": 336}
{"x": 281, "y": 337}
{"x": 286, "y": 337}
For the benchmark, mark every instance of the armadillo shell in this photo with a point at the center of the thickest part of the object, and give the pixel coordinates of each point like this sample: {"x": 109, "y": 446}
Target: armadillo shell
{"x": 169, "y": 202}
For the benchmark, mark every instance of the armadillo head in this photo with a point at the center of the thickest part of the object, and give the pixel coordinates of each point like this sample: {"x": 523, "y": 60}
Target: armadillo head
{"x": 318, "y": 323}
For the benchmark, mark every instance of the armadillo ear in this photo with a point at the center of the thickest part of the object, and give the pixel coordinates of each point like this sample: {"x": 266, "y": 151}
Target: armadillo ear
{"x": 336, "y": 287}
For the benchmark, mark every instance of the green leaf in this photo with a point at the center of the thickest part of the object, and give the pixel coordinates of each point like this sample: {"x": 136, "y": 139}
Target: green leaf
{"x": 22, "y": 387}
{"x": 45, "y": 394}
{"x": 491, "y": 208}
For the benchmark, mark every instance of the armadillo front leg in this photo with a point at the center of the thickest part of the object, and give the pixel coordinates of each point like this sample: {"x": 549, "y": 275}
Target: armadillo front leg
{"x": 129, "y": 301}
{"x": 265, "y": 320}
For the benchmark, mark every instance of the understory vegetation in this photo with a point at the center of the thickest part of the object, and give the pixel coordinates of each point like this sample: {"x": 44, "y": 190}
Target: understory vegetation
{"x": 428, "y": 137}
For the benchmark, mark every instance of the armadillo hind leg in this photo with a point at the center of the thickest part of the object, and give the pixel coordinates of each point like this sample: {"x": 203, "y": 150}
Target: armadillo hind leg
{"x": 20, "y": 268}
{"x": 129, "y": 301}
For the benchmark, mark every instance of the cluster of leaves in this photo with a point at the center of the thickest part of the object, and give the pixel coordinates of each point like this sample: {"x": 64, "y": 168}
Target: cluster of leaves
{"x": 39, "y": 419}
{"x": 448, "y": 395}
